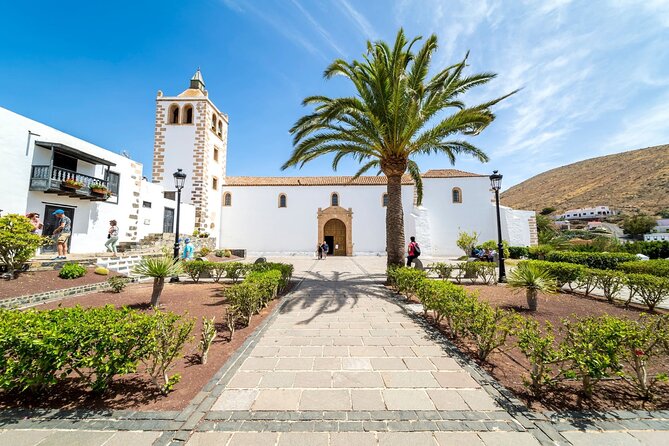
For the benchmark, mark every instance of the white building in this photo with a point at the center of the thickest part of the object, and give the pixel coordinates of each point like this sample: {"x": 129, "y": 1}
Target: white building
{"x": 38, "y": 158}
{"x": 596, "y": 212}
{"x": 290, "y": 215}
{"x": 278, "y": 215}
{"x": 656, "y": 237}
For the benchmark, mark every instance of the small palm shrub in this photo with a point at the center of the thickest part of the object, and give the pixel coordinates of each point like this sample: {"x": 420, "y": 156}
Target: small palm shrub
{"x": 72, "y": 271}
{"x": 159, "y": 268}
{"x": 533, "y": 279}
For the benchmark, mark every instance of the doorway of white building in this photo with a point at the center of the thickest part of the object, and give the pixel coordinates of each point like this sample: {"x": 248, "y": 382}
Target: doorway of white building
{"x": 335, "y": 236}
{"x": 168, "y": 220}
{"x": 51, "y": 223}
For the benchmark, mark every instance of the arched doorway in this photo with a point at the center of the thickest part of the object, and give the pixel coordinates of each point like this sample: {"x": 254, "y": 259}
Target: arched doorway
{"x": 334, "y": 233}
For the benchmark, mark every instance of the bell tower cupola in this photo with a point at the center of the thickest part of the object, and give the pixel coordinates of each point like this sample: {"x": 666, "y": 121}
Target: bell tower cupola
{"x": 196, "y": 81}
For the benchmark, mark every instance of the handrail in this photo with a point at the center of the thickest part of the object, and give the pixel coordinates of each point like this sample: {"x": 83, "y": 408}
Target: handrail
{"x": 59, "y": 174}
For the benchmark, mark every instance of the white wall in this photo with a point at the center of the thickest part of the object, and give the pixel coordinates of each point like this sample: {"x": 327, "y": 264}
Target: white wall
{"x": 255, "y": 222}
{"x": 516, "y": 226}
{"x": 151, "y": 219}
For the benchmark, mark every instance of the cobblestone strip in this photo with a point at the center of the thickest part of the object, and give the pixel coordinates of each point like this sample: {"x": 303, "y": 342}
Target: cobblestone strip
{"x": 195, "y": 412}
{"x": 40, "y": 298}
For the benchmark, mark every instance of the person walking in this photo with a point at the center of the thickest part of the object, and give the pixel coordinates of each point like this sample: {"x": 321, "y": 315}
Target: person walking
{"x": 37, "y": 226}
{"x": 189, "y": 251}
{"x": 326, "y": 248}
{"x": 112, "y": 237}
{"x": 63, "y": 231}
{"x": 319, "y": 251}
{"x": 413, "y": 251}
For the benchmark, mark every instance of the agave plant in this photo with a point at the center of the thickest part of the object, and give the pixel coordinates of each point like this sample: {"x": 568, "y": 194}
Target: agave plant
{"x": 533, "y": 279}
{"x": 159, "y": 268}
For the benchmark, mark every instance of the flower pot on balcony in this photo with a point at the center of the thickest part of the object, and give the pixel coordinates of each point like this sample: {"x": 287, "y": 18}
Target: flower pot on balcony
{"x": 71, "y": 185}
{"x": 100, "y": 191}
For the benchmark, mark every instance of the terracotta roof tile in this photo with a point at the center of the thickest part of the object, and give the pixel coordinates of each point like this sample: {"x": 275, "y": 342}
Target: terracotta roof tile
{"x": 379, "y": 180}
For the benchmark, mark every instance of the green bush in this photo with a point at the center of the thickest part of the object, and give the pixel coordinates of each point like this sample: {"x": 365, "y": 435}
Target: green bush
{"x": 539, "y": 252}
{"x": 467, "y": 241}
{"x": 540, "y": 349}
{"x": 591, "y": 349}
{"x": 598, "y": 260}
{"x": 489, "y": 327}
{"x": 227, "y": 253}
{"x": 72, "y": 271}
{"x": 443, "y": 270}
{"x": 517, "y": 252}
{"x": 117, "y": 283}
{"x": 18, "y": 243}
{"x": 101, "y": 271}
{"x": 235, "y": 270}
{"x": 197, "y": 268}
{"x": 658, "y": 268}
{"x": 204, "y": 251}
{"x": 217, "y": 270}
{"x": 408, "y": 280}
{"x": 448, "y": 302}
{"x": 219, "y": 253}
{"x": 43, "y": 348}
{"x": 486, "y": 271}
{"x": 652, "y": 290}
{"x": 654, "y": 250}
{"x": 611, "y": 282}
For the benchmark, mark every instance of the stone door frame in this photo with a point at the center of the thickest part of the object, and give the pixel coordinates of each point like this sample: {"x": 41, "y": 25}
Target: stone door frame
{"x": 338, "y": 212}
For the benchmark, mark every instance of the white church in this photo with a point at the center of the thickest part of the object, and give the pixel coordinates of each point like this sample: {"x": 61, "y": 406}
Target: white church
{"x": 263, "y": 215}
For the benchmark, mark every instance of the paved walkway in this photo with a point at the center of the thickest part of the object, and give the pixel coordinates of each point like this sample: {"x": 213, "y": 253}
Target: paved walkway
{"x": 343, "y": 363}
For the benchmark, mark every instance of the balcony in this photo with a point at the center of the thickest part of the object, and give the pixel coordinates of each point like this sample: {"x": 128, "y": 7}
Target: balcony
{"x": 64, "y": 162}
{"x": 52, "y": 180}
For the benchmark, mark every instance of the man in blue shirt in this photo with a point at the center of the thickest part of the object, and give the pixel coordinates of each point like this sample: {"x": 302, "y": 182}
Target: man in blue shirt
{"x": 63, "y": 231}
{"x": 189, "y": 251}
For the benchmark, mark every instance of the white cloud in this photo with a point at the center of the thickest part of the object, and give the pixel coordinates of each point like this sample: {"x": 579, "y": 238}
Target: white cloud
{"x": 321, "y": 30}
{"x": 360, "y": 21}
{"x": 643, "y": 127}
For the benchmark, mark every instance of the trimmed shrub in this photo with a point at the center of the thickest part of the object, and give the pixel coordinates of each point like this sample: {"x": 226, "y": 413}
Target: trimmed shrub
{"x": 196, "y": 268}
{"x": 652, "y": 290}
{"x": 539, "y": 252}
{"x": 219, "y": 253}
{"x": 658, "y": 268}
{"x": 204, "y": 251}
{"x": 611, "y": 282}
{"x": 72, "y": 270}
{"x": 489, "y": 327}
{"x": 18, "y": 243}
{"x": 234, "y": 270}
{"x": 117, "y": 283}
{"x": 101, "y": 271}
{"x": 540, "y": 349}
{"x": 598, "y": 260}
{"x": 517, "y": 252}
{"x": 217, "y": 271}
{"x": 654, "y": 250}
{"x": 41, "y": 349}
{"x": 408, "y": 280}
{"x": 443, "y": 270}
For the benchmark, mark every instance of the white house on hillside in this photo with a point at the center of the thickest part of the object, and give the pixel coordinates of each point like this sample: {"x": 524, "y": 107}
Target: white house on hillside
{"x": 596, "y": 212}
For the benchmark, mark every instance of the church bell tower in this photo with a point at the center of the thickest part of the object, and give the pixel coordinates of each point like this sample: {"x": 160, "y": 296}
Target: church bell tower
{"x": 191, "y": 133}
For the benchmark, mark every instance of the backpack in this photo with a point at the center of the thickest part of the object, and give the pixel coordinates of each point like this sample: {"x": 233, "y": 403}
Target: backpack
{"x": 416, "y": 250}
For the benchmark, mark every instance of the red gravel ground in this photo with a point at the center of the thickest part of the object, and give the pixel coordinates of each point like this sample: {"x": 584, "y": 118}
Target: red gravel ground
{"x": 136, "y": 391}
{"x": 34, "y": 282}
{"x": 510, "y": 366}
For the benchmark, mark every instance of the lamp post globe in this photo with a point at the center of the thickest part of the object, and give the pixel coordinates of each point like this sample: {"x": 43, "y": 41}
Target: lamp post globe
{"x": 496, "y": 185}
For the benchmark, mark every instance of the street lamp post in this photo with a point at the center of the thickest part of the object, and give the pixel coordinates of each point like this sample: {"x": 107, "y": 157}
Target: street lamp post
{"x": 179, "y": 181}
{"x": 496, "y": 183}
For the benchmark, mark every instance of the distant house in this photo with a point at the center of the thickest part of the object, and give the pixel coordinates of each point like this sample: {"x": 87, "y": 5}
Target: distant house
{"x": 592, "y": 213}
{"x": 563, "y": 224}
{"x": 656, "y": 237}
{"x": 662, "y": 225}
{"x": 594, "y": 225}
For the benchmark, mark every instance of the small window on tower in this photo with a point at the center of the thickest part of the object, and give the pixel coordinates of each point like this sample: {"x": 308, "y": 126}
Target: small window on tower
{"x": 215, "y": 153}
{"x": 220, "y": 129}
{"x": 456, "y": 195}
{"x": 188, "y": 114}
{"x": 213, "y": 122}
{"x": 214, "y": 183}
{"x": 227, "y": 199}
{"x": 334, "y": 199}
{"x": 283, "y": 201}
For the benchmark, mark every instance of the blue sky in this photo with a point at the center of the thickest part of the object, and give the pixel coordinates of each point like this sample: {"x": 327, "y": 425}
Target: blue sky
{"x": 595, "y": 74}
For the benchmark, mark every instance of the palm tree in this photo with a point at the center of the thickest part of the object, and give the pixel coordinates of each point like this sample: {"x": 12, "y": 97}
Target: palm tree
{"x": 159, "y": 268}
{"x": 533, "y": 279}
{"x": 396, "y": 115}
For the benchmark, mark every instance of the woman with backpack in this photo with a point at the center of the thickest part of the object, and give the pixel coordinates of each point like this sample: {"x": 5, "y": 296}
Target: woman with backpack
{"x": 414, "y": 251}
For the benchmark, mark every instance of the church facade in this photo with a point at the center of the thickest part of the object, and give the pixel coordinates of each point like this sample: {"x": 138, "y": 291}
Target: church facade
{"x": 290, "y": 215}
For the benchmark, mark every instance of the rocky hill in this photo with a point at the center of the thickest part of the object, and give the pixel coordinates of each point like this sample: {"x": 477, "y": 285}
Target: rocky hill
{"x": 632, "y": 181}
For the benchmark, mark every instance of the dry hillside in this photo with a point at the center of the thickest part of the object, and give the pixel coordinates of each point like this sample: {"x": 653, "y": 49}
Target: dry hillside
{"x": 630, "y": 181}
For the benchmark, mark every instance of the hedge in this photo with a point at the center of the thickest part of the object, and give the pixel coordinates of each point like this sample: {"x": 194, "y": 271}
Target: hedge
{"x": 653, "y": 249}
{"x": 592, "y": 348}
{"x": 564, "y": 273}
{"x": 517, "y": 252}
{"x": 599, "y": 260}
{"x": 658, "y": 268}
{"x": 43, "y": 348}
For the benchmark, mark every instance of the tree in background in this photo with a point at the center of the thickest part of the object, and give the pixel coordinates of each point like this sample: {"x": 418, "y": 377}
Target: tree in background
{"x": 547, "y": 211}
{"x": 546, "y": 229}
{"x": 18, "y": 242}
{"x": 467, "y": 242}
{"x": 397, "y": 113}
{"x": 664, "y": 213}
{"x": 638, "y": 225}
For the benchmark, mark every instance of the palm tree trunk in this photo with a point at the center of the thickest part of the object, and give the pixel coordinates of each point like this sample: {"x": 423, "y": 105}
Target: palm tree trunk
{"x": 395, "y": 222}
{"x": 158, "y": 284}
{"x": 532, "y": 299}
